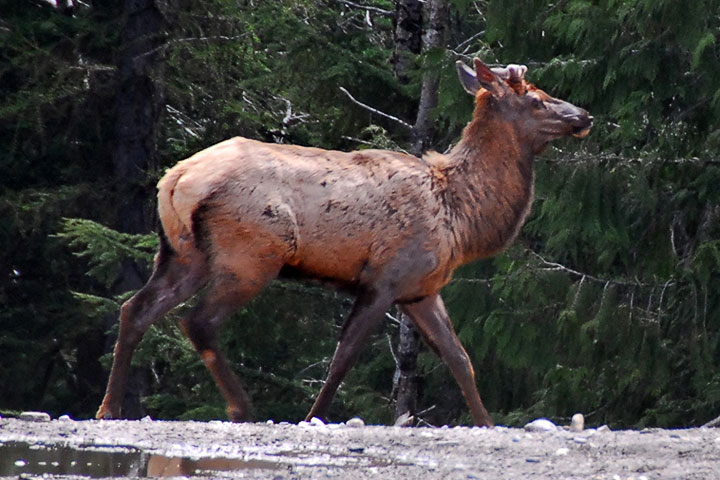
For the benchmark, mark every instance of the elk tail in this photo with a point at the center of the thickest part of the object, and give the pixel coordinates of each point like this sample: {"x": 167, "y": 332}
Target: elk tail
{"x": 176, "y": 222}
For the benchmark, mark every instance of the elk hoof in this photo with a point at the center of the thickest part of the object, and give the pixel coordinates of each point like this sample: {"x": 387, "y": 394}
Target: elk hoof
{"x": 237, "y": 416}
{"x": 104, "y": 414}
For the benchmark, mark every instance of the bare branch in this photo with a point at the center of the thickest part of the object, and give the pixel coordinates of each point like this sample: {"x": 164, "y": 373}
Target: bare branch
{"x": 392, "y": 352}
{"x": 393, "y": 319}
{"x": 485, "y": 281}
{"x": 469, "y": 40}
{"x": 367, "y": 8}
{"x": 376, "y": 111}
{"x": 554, "y": 266}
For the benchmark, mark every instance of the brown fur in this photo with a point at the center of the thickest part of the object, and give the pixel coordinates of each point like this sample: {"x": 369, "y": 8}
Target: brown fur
{"x": 387, "y": 226}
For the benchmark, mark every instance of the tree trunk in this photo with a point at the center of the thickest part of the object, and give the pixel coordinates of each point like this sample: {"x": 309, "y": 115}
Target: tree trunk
{"x": 138, "y": 107}
{"x": 406, "y": 376}
{"x": 408, "y": 37}
{"x": 434, "y": 38}
{"x": 139, "y": 104}
{"x": 406, "y": 386}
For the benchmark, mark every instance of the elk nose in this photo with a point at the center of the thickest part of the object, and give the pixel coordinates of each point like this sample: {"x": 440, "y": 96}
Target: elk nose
{"x": 581, "y": 125}
{"x": 582, "y": 120}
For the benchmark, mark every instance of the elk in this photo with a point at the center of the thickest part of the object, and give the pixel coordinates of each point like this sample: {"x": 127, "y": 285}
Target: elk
{"x": 388, "y": 227}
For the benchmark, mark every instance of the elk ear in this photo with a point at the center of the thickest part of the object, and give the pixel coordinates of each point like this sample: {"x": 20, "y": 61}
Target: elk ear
{"x": 489, "y": 80}
{"x": 467, "y": 78}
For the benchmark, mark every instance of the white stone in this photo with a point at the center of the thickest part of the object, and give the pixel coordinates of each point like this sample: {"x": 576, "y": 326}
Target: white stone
{"x": 562, "y": 451}
{"x": 65, "y": 418}
{"x": 35, "y": 416}
{"x": 355, "y": 422}
{"x": 577, "y": 424}
{"x": 317, "y": 422}
{"x": 541, "y": 425}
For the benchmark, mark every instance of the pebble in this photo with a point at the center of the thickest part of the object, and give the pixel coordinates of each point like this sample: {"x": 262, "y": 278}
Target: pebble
{"x": 270, "y": 422}
{"x": 35, "y": 416}
{"x": 577, "y": 424}
{"x": 562, "y": 451}
{"x": 580, "y": 440}
{"x": 603, "y": 429}
{"x": 355, "y": 422}
{"x": 65, "y": 418}
{"x": 317, "y": 422}
{"x": 541, "y": 425}
{"x": 146, "y": 418}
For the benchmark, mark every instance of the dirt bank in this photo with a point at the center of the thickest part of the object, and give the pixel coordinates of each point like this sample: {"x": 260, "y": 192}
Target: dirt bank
{"x": 284, "y": 451}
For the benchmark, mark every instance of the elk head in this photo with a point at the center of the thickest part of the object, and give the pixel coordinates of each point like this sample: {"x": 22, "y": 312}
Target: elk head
{"x": 536, "y": 116}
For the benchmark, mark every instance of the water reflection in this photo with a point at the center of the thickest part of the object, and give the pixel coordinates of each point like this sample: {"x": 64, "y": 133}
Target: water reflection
{"x": 18, "y": 458}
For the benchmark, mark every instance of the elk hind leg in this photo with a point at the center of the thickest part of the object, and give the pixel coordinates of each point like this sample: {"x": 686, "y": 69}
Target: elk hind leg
{"x": 433, "y": 322}
{"x": 172, "y": 282}
{"x": 201, "y": 327}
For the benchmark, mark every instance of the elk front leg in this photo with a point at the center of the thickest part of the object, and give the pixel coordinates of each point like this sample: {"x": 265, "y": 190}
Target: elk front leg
{"x": 367, "y": 313}
{"x": 433, "y": 322}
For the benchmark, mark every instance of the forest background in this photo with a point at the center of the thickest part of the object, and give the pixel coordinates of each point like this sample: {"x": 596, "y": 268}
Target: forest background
{"x": 607, "y": 304}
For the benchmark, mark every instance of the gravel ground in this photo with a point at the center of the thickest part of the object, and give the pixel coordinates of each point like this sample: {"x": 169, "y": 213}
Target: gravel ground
{"x": 285, "y": 451}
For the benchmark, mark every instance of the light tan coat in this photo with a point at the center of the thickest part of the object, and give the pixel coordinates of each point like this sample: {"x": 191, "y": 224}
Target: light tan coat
{"x": 385, "y": 226}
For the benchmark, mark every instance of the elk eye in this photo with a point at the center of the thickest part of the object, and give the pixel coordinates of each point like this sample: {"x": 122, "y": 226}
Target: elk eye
{"x": 537, "y": 103}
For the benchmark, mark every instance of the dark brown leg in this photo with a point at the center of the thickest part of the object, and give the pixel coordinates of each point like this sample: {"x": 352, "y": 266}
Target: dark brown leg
{"x": 200, "y": 326}
{"x": 434, "y": 324}
{"x": 366, "y": 315}
{"x": 171, "y": 283}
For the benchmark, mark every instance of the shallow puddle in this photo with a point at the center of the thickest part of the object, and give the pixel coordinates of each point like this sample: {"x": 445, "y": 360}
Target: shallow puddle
{"x": 18, "y": 458}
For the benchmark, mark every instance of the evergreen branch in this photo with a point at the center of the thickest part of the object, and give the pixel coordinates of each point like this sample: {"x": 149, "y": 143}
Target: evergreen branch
{"x": 376, "y": 111}
{"x": 170, "y": 43}
{"x": 368, "y": 8}
{"x": 581, "y": 157}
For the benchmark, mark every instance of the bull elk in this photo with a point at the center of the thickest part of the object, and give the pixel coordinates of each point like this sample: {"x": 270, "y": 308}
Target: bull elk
{"x": 389, "y": 228}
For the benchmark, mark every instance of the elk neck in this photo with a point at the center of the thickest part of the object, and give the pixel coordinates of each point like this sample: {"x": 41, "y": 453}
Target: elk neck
{"x": 489, "y": 187}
